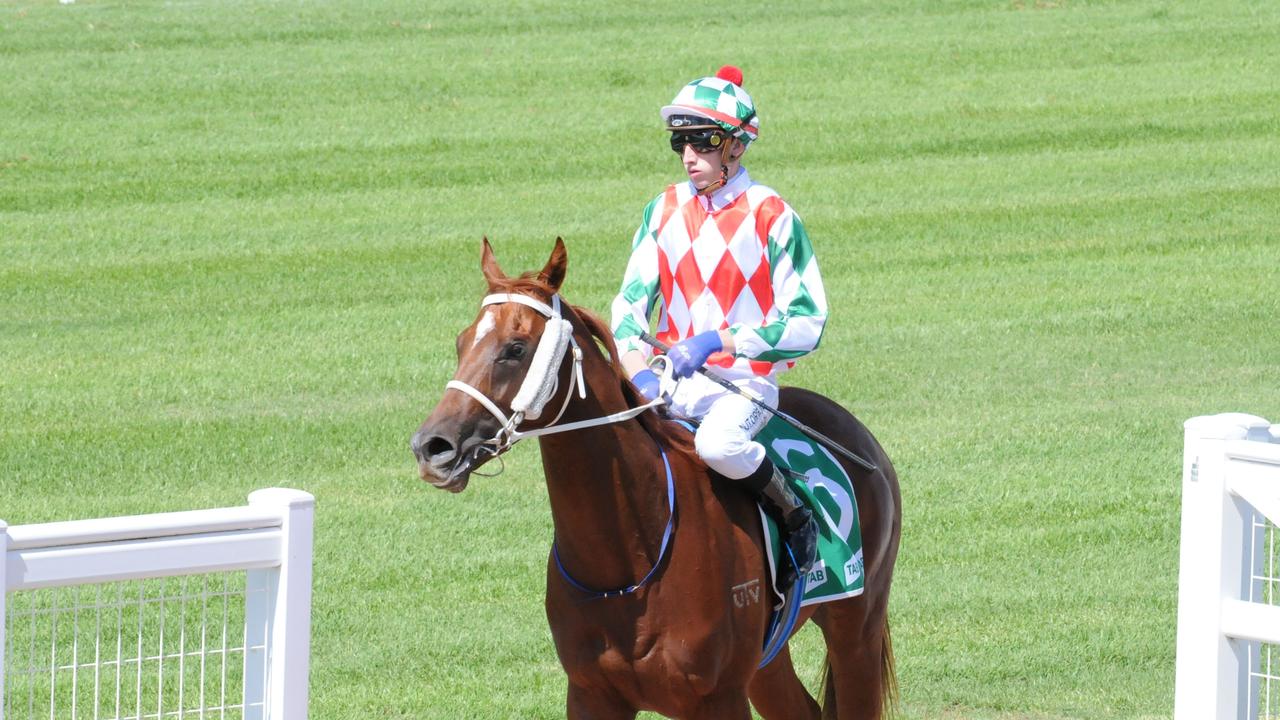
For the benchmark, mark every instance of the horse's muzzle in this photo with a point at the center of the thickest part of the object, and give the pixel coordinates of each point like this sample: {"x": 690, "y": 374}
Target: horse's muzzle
{"x": 439, "y": 462}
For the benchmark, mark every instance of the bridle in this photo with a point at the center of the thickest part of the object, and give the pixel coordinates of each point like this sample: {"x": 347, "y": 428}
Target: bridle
{"x": 539, "y": 386}
{"x": 542, "y": 380}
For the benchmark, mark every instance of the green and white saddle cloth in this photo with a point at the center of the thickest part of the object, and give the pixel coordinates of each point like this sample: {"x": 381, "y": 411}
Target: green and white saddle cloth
{"x": 824, "y": 485}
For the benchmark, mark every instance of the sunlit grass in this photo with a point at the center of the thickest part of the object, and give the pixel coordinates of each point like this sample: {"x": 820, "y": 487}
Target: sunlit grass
{"x": 237, "y": 239}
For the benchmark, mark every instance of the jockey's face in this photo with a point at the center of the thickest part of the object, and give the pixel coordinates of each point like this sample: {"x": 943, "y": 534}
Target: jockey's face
{"x": 703, "y": 166}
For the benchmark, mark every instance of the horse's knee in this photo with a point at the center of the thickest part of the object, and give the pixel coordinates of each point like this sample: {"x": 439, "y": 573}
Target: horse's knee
{"x": 777, "y": 692}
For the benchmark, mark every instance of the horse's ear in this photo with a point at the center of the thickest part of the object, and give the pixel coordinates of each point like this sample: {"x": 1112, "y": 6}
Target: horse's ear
{"x": 489, "y": 265}
{"x": 553, "y": 272}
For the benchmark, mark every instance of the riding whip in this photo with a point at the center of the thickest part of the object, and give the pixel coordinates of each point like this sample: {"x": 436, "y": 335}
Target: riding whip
{"x": 713, "y": 377}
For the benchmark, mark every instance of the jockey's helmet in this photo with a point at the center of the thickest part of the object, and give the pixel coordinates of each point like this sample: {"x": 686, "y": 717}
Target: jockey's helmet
{"x": 717, "y": 101}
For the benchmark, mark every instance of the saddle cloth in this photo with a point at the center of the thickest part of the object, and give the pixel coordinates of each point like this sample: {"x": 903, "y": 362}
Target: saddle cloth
{"x": 824, "y": 485}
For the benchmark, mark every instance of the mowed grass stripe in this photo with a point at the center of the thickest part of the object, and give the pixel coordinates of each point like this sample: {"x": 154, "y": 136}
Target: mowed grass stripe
{"x": 238, "y": 239}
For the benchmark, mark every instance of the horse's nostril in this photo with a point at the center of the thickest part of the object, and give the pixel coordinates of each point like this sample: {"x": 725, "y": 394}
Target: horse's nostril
{"x": 437, "y": 448}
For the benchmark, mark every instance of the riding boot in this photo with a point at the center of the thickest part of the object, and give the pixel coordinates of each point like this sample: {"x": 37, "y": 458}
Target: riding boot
{"x": 795, "y": 520}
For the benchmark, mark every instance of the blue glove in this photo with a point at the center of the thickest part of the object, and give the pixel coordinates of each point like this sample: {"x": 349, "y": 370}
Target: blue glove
{"x": 687, "y": 356}
{"x": 647, "y": 382}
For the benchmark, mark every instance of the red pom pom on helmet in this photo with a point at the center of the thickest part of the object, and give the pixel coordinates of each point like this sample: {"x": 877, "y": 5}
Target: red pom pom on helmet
{"x": 730, "y": 73}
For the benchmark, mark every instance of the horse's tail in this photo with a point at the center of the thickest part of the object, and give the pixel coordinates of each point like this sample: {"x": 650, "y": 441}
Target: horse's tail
{"x": 888, "y": 675}
{"x": 888, "y": 682}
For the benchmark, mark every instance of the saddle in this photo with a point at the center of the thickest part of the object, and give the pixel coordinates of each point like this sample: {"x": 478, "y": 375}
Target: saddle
{"x": 822, "y": 482}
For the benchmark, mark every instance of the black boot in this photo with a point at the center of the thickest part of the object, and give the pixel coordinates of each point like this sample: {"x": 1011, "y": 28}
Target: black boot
{"x": 795, "y": 520}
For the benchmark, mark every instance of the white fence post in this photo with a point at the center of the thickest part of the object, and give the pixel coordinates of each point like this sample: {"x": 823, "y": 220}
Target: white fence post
{"x": 259, "y": 595}
{"x": 4, "y": 564}
{"x": 288, "y": 597}
{"x": 1215, "y": 571}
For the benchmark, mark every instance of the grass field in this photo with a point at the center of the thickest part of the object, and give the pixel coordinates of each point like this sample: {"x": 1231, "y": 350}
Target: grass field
{"x": 238, "y": 237}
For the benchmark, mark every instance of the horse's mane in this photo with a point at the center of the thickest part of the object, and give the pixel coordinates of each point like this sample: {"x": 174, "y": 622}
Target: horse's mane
{"x": 664, "y": 431}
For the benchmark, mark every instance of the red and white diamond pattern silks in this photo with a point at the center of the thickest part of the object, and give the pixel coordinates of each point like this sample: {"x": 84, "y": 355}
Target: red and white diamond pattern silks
{"x": 710, "y": 269}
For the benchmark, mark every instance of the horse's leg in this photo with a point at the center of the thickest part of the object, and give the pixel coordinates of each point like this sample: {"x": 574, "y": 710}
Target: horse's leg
{"x": 584, "y": 704}
{"x": 724, "y": 705}
{"x": 855, "y": 637}
{"x": 777, "y": 692}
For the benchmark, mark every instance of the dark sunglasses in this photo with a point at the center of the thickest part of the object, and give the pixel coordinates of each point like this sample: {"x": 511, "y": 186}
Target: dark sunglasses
{"x": 702, "y": 141}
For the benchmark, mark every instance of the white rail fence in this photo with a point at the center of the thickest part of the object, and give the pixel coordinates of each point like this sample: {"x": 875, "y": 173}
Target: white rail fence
{"x": 200, "y": 614}
{"x": 1228, "y": 651}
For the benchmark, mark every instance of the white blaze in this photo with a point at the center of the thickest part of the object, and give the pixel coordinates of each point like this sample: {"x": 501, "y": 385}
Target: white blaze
{"x": 484, "y": 327}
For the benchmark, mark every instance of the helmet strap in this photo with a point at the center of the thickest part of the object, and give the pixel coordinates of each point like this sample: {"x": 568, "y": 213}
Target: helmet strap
{"x": 724, "y": 170}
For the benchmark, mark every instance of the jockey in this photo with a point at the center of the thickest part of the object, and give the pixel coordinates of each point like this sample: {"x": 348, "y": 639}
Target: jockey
{"x": 731, "y": 270}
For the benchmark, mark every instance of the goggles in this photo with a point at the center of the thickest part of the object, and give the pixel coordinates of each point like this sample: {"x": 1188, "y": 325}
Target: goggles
{"x": 703, "y": 140}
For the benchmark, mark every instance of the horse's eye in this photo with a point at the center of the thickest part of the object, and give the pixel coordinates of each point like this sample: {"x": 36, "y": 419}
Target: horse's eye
{"x": 514, "y": 351}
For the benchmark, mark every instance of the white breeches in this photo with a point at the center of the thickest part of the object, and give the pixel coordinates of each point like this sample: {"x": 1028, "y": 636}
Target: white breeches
{"x": 728, "y": 421}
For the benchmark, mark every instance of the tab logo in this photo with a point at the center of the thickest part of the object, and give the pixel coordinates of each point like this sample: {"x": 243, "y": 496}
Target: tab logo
{"x": 817, "y": 575}
{"x": 853, "y": 570}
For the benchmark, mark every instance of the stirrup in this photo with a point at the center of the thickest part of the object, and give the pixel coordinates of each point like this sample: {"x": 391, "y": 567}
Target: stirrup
{"x": 803, "y": 543}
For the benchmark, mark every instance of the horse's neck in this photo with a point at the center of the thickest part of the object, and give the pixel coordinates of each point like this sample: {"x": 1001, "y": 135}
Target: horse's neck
{"x": 608, "y": 491}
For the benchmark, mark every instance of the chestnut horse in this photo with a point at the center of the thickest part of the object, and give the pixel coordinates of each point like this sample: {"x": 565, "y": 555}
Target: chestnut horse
{"x": 644, "y": 616}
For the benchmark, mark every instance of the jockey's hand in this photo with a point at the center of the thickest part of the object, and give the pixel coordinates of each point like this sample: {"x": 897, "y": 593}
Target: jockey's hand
{"x": 689, "y": 355}
{"x": 648, "y": 383}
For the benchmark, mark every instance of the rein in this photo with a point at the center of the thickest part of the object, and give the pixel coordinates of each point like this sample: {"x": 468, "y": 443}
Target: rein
{"x": 539, "y": 386}
{"x": 662, "y": 550}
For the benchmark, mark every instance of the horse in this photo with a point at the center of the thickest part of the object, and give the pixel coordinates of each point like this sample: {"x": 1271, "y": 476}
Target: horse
{"x": 649, "y": 548}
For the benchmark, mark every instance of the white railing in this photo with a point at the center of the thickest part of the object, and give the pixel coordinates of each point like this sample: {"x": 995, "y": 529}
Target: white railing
{"x": 267, "y": 545}
{"x": 1228, "y": 584}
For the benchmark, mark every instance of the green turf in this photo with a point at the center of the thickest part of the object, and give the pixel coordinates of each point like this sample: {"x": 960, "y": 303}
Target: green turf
{"x": 238, "y": 237}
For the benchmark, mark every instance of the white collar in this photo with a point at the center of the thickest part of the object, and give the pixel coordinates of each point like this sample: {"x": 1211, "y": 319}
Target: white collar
{"x": 723, "y": 197}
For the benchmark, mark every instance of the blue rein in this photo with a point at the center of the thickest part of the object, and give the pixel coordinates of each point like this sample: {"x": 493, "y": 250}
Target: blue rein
{"x": 662, "y": 552}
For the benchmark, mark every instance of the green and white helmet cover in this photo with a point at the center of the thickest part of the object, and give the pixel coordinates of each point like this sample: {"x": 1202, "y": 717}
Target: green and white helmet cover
{"x": 721, "y": 100}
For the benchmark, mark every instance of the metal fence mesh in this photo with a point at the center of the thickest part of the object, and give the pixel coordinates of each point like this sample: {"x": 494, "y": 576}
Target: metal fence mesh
{"x": 158, "y": 648}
